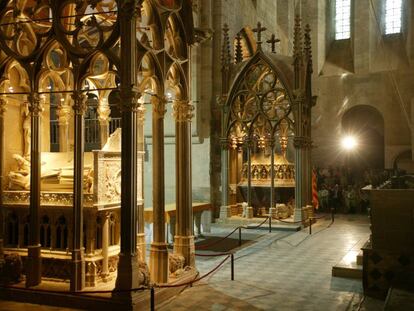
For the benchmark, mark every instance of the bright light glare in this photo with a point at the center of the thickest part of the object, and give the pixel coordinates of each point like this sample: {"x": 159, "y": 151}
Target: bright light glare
{"x": 349, "y": 143}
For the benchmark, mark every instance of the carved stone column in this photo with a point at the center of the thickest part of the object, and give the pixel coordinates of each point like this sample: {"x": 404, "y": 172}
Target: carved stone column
{"x": 2, "y": 111}
{"x": 34, "y": 260}
{"x": 159, "y": 252}
{"x": 77, "y": 281}
{"x": 63, "y": 114}
{"x": 225, "y": 210}
{"x": 90, "y": 233}
{"x": 140, "y": 187}
{"x": 184, "y": 238}
{"x": 105, "y": 246}
{"x": 300, "y": 142}
{"x": 132, "y": 272}
{"x": 103, "y": 117}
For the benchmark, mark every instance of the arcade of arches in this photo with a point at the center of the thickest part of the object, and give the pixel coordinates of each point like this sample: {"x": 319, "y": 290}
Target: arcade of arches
{"x": 130, "y": 128}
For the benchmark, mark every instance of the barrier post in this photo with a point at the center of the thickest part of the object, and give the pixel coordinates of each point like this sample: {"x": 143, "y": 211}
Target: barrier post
{"x": 240, "y": 241}
{"x": 270, "y": 223}
{"x": 310, "y": 225}
{"x": 152, "y": 299}
{"x": 333, "y": 214}
{"x": 232, "y": 267}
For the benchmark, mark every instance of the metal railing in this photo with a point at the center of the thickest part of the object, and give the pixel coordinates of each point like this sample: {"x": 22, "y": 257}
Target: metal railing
{"x": 114, "y": 123}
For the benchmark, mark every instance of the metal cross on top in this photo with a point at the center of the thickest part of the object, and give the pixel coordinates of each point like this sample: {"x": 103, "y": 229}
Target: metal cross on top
{"x": 273, "y": 40}
{"x": 259, "y": 31}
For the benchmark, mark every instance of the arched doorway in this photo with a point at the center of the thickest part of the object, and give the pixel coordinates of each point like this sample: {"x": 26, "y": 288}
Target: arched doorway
{"x": 367, "y": 125}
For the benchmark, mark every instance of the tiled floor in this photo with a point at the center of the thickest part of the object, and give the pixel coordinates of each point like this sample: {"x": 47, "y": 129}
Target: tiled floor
{"x": 279, "y": 271}
{"x": 283, "y": 271}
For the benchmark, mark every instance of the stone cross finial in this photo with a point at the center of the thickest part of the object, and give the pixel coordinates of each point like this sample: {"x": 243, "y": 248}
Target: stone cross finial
{"x": 259, "y": 31}
{"x": 273, "y": 40}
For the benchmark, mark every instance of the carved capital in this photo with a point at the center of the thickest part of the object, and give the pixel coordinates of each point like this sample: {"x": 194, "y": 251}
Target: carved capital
{"x": 79, "y": 103}
{"x": 35, "y": 107}
{"x": 224, "y": 143}
{"x": 63, "y": 114}
{"x": 182, "y": 110}
{"x": 141, "y": 113}
{"x": 159, "y": 106}
{"x": 2, "y": 107}
{"x": 301, "y": 142}
{"x": 129, "y": 99}
{"x": 298, "y": 96}
{"x": 129, "y": 9}
{"x": 103, "y": 113}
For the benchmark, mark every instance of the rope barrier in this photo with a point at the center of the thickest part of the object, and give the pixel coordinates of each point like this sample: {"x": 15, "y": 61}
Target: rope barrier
{"x": 195, "y": 280}
{"x": 151, "y": 288}
{"x": 215, "y": 242}
{"x": 141, "y": 288}
{"x": 258, "y": 226}
{"x": 213, "y": 255}
{"x": 235, "y": 229}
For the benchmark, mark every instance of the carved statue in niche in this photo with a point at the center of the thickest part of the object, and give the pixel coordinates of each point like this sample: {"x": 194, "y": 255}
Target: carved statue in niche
{"x": 20, "y": 179}
{"x": 25, "y": 113}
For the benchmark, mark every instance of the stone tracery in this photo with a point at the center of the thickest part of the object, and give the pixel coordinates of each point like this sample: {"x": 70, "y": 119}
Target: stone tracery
{"x": 64, "y": 60}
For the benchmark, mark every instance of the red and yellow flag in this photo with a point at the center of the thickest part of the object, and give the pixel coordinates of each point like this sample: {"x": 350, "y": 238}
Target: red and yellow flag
{"x": 315, "y": 200}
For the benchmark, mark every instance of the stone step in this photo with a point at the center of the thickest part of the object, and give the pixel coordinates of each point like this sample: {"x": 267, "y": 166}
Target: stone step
{"x": 348, "y": 266}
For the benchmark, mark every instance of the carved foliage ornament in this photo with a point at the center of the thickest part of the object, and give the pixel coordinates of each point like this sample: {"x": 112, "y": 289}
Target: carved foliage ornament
{"x": 182, "y": 110}
{"x": 79, "y": 103}
{"x": 35, "y": 107}
{"x": 159, "y": 106}
{"x": 2, "y": 107}
{"x": 301, "y": 142}
{"x": 129, "y": 9}
{"x": 130, "y": 98}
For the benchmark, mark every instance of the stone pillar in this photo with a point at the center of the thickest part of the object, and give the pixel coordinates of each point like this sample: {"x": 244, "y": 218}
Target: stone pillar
{"x": 412, "y": 128}
{"x": 34, "y": 260}
{"x": 159, "y": 252}
{"x": 225, "y": 210}
{"x": 2, "y": 111}
{"x": 132, "y": 272}
{"x": 77, "y": 281}
{"x": 300, "y": 177}
{"x": 300, "y": 142}
{"x": 105, "y": 246}
{"x": 249, "y": 173}
{"x": 103, "y": 117}
{"x": 184, "y": 238}
{"x": 63, "y": 119}
{"x": 91, "y": 233}
{"x": 272, "y": 209}
{"x": 140, "y": 213}
{"x": 233, "y": 179}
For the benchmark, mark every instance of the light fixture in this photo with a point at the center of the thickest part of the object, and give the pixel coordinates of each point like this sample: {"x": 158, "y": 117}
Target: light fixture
{"x": 349, "y": 142}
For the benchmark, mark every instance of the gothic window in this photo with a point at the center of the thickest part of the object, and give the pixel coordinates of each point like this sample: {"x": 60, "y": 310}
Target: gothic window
{"x": 393, "y": 16}
{"x": 45, "y": 232}
{"x": 13, "y": 230}
{"x": 98, "y": 240}
{"x": 342, "y": 19}
{"x": 61, "y": 233}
